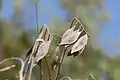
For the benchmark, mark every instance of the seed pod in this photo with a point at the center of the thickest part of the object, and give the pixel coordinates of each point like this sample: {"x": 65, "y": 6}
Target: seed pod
{"x": 70, "y": 36}
{"x": 80, "y": 44}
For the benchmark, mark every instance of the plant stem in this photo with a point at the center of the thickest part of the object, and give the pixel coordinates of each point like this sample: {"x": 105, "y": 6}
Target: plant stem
{"x": 22, "y": 65}
{"x": 41, "y": 74}
{"x": 56, "y": 35}
{"x": 37, "y": 16}
{"x": 48, "y": 68}
{"x": 59, "y": 66}
{"x": 37, "y": 30}
{"x": 7, "y": 68}
{"x": 28, "y": 70}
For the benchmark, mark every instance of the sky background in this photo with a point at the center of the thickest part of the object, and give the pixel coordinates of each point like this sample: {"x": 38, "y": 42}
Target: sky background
{"x": 108, "y": 40}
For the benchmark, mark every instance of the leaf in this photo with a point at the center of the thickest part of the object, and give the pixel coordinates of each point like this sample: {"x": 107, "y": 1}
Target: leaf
{"x": 80, "y": 44}
{"x": 70, "y": 36}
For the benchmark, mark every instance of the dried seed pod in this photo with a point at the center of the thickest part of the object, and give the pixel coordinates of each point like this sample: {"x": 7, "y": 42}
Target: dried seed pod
{"x": 78, "y": 52}
{"x": 44, "y": 46}
{"x": 70, "y": 36}
{"x": 80, "y": 44}
{"x": 42, "y": 51}
{"x": 41, "y": 46}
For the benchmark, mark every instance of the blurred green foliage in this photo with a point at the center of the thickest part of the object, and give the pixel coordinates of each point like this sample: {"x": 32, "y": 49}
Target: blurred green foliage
{"x": 15, "y": 40}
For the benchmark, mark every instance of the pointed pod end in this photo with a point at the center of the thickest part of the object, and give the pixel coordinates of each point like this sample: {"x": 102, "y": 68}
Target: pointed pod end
{"x": 44, "y": 25}
{"x": 62, "y": 44}
{"x": 73, "y": 51}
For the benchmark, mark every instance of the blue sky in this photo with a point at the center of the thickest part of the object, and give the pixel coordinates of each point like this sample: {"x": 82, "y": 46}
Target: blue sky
{"x": 109, "y": 39}
{"x": 7, "y": 10}
{"x": 110, "y": 35}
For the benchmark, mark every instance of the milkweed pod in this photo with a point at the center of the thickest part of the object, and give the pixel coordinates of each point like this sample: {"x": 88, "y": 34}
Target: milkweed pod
{"x": 80, "y": 44}
{"x": 70, "y": 37}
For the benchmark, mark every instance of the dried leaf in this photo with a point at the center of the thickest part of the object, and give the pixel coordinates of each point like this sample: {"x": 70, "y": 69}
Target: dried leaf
{"x": 80, "y": 44}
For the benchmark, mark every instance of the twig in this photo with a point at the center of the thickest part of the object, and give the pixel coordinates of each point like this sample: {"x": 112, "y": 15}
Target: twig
{"x": 41, "y": 74}
{"x": 92, "y": 77}
{"x": 7, "y": 68}
{"x": 64, "y": 78}
{"x": 28, "y": 72}
{"x": 28, "y": 69}
{"x": 22, "y": 65}
{"x": 56, "y": 35}
{"x": 59, "y": 66}
{"x": 55, "y": 38}
{"x": 37, "y": 30}
{"x": 48, "y": 68}
{"x": 30, "y": 62}
{"x": 13, "y": 58}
